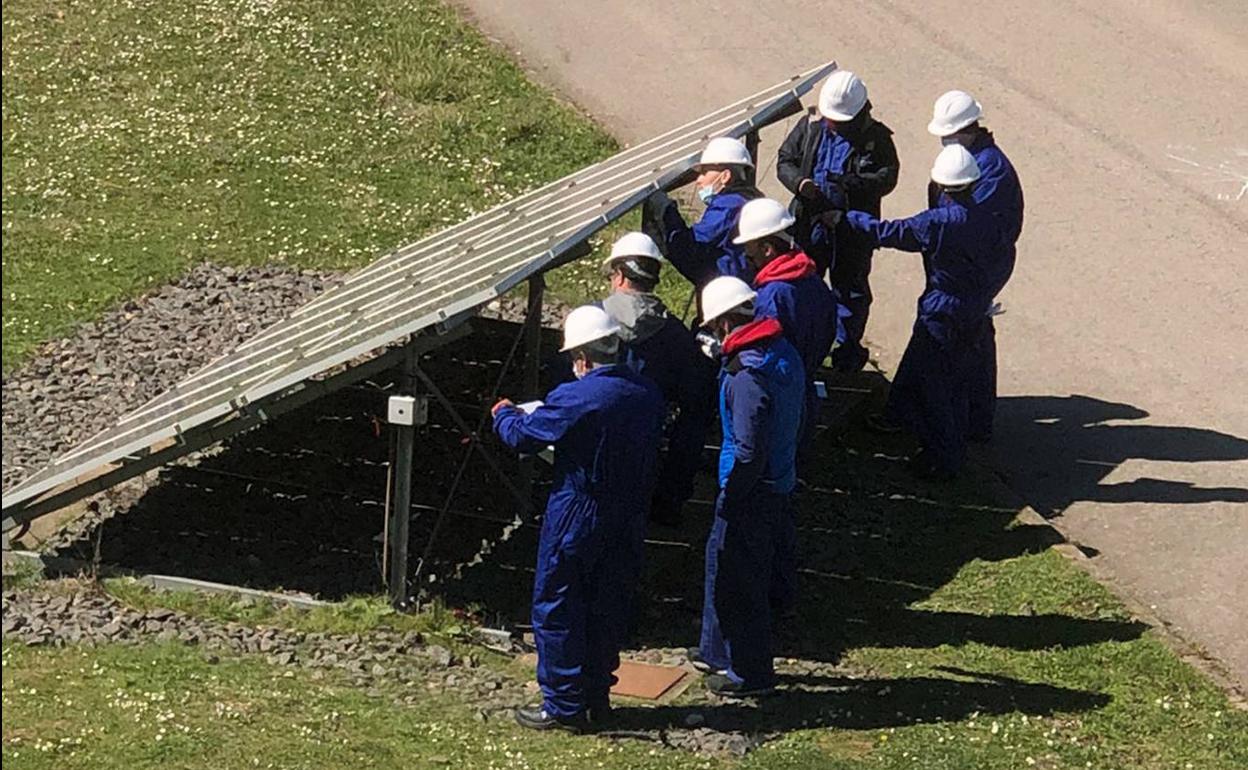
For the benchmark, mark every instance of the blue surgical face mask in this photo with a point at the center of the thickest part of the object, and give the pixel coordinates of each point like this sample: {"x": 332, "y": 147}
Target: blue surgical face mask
{"x": 706, "y": 193}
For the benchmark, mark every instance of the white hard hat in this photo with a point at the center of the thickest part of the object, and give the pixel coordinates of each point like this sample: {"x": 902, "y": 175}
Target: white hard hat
{"x": 634, "y": 245}
{"x": 954, "y": 111}
{"x": 724, "y": 294}
{"x": 955, "y": 166}
{"x": 762, "y": 217}
{"x": 584, "y": 325}
{"x": 725, "y": 151}
{"x": 843, "y": 96}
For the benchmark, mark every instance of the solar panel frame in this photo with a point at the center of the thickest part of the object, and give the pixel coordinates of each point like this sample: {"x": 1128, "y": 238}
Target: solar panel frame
{"x": 508, "y": 244}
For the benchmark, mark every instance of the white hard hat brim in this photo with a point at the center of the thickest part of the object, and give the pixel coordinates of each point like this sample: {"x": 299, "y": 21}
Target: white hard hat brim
{"x": 937, "y": 128}
{"x": 954, "y": 182}
{"x": 601, "y": 335}
{"x": 780, "y": 227}
{"x": 700, "y": 166}
{"x": 839, "y": 115}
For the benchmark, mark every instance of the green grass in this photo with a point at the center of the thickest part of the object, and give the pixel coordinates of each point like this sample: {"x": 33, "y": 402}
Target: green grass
{"x": 164, "y": 706}
{"x": 355, "y": 615}
{"x": 141, "y": 138}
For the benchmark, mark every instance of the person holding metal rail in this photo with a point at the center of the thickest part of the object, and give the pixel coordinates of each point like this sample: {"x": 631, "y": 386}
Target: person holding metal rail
{"x": 605, "y": 428}
{"x": 761, "y": 391}
{"x": 704, "y": 251}
{"x": 657, "y": 345}
{"x": 956, "y": 120}
{"x": 840, "y": 158}
{"x": 960, "y": 240}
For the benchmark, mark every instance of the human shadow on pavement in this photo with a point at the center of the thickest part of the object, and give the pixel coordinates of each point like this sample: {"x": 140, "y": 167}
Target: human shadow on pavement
{"x": 1071, "y": 443}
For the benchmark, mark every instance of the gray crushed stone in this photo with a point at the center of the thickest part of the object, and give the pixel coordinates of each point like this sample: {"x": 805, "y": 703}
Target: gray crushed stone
{"x": 73, "y": 388}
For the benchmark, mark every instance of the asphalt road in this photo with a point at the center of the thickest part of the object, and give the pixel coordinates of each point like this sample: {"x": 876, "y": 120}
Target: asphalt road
{"x": 1125, "y": 346}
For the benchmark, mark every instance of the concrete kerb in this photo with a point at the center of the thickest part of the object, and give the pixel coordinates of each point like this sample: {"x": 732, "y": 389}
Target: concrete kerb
{"x": 1188, "y": 651}
{"x": 59, "y": 566}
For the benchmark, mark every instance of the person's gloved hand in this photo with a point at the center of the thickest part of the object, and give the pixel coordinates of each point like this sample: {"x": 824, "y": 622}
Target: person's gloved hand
{"x": 710, "y": 345}
{"x": 809, "y": 190}
{"x": 836, "y": 198}
{"x": 657, "y": 202}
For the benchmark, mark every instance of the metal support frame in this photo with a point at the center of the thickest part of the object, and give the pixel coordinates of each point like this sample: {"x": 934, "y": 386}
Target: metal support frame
{"x": 532, "y": 366}
{"x": 474, "y": 439}
{"x": 399, "y": 513}
{"x": 533, "y": 335}
{"x": 751, "y": 144}
{"x": 252, "y": 416}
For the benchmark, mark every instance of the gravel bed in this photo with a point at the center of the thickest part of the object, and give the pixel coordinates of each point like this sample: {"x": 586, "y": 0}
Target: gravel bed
{"x": 387, "y": 664}
{"x": 73, "y": 388}
{"x": 76, "y": 387}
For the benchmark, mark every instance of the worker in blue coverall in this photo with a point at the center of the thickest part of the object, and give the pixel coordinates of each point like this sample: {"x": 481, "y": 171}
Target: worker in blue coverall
{"x": 790, "y": 291}
{"x": 705, "y": 251}
{"x": 956, "y": 120}
{"x": 605, "y": 427}
{"x": 959, "y": 240}
{"x": 843, "y": 158}
{"x": 761, "y": 391}
{"x": 656, "y": 344}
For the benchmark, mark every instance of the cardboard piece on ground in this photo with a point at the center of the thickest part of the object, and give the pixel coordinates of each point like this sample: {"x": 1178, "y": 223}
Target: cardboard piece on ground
{"x": 643, "y": 680}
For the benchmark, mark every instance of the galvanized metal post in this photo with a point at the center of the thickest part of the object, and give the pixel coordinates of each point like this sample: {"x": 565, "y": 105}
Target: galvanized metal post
{"x": 533, "y": 336}
{"x": 532, "y": 366}
{"x": 399, "y": 525}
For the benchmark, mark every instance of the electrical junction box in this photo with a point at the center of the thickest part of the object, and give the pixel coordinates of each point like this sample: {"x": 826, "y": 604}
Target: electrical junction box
{"x": 408, "y": 410}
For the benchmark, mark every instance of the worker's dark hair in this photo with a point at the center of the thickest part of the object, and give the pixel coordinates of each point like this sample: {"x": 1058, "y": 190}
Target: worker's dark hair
{"x": 642, "y": 283}
{"x": 740, "y": 176}
{"x": 601, "y": 352}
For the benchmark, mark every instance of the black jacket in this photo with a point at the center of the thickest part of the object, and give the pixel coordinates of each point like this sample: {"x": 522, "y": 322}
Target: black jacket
{"x": 871, "y": 171}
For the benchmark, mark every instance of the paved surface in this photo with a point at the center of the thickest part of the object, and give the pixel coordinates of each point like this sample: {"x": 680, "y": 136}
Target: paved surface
{"x": 1124, "y": 348}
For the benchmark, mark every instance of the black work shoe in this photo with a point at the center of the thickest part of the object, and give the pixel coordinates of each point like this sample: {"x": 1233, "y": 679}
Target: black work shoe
{"x": 700, "y": 663}
{"x": 538, "y": 718}
{"x": 721, "y": 685}
{"x": 599, "y": 714}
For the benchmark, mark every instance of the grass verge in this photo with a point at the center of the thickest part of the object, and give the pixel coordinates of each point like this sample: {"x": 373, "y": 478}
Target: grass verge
{"x": 141, "y": 138}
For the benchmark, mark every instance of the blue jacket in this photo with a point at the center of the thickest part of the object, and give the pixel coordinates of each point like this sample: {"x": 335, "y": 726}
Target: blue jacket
{"x": 762, "y": 391}
{"x": 998, "y": 187}
{"x": 605, "y": 429}
{"x": 789, "y": 290}
{"x": 959, "y": 245}
{"x": 706, "y": 251}
{"x": 999, "y": 191}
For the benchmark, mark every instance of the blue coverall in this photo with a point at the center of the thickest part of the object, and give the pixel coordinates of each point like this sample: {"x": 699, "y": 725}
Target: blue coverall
{"x": 656, "y": 344}
{"x": 762, "y": 384}
{"x": 605, "y": 429}
{"x": 999, "y": 190}
{"x": 706, "y": 251}
{"x": 930, "y": 392}
{"x": 789, "y": 290}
